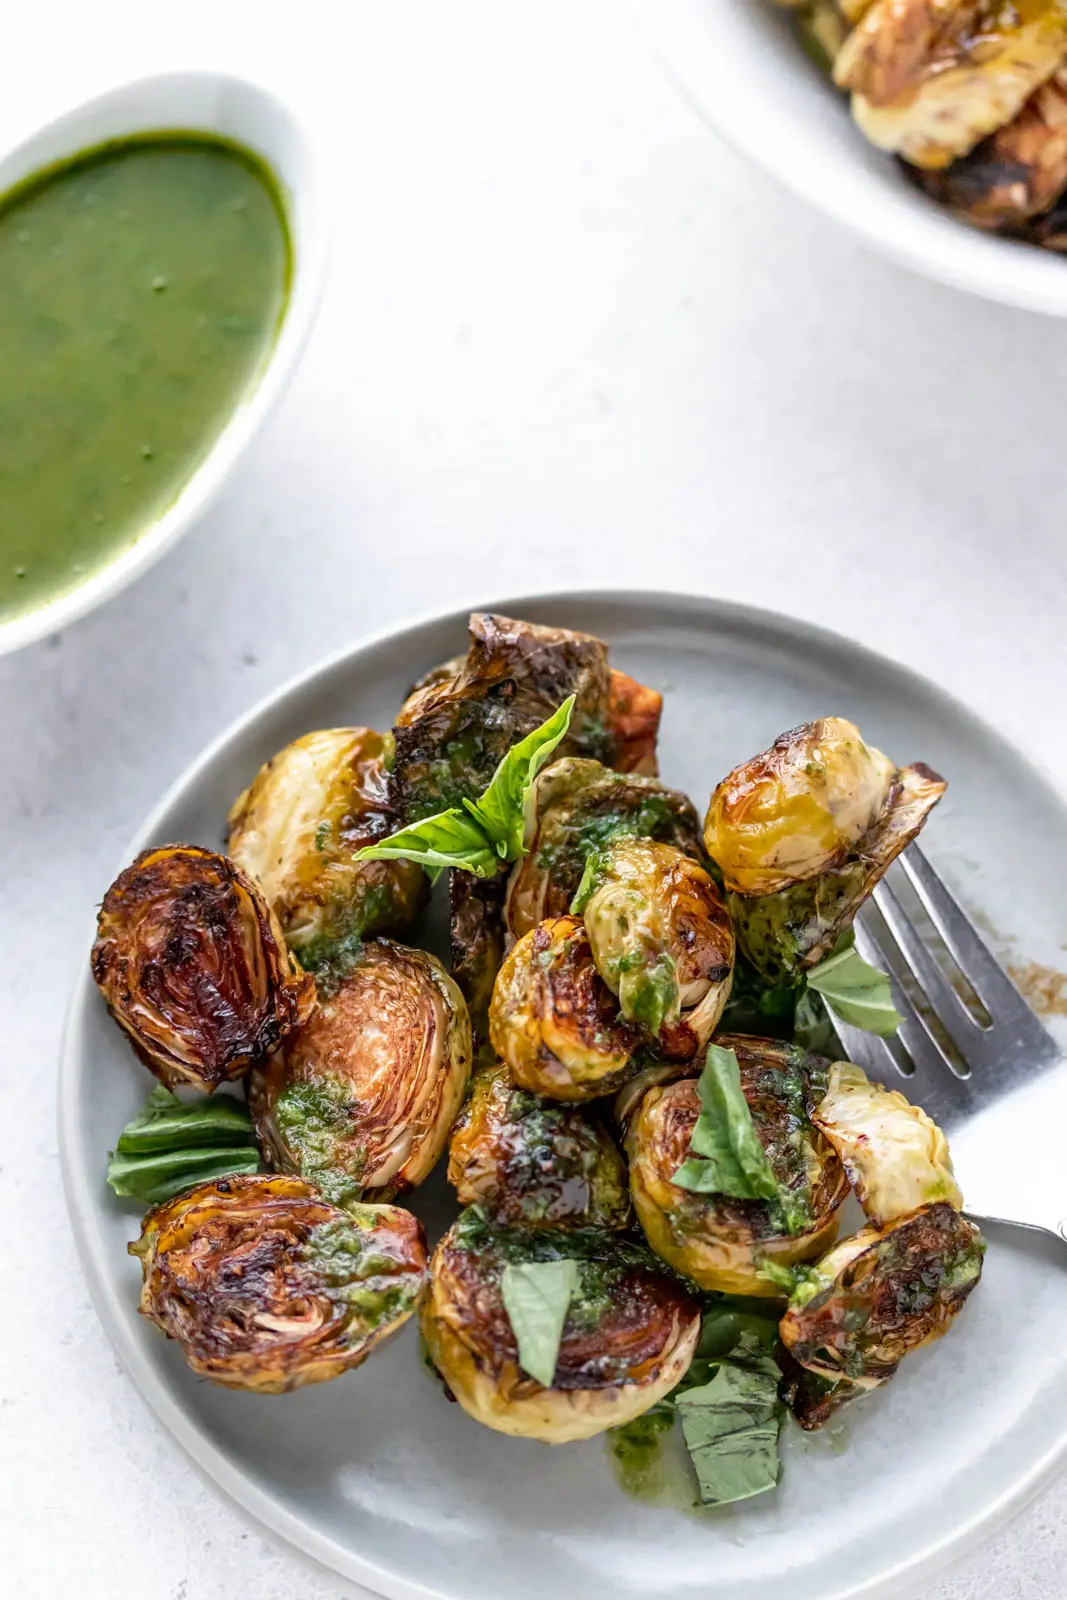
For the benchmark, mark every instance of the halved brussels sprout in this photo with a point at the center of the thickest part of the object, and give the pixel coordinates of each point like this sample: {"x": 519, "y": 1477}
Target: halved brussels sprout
{"x": 874, "y": 1298}
{"x": 555, "y": 1022}
{"x": 362, "y": 1100}
{"x": 194, "y": 968}
{"x": 627, "y": 1340}
{"x": 661, "y": 939}
{"x": 634, "y": 712}
{"x": 476, "y": 926}
{"x": 296, "y": 829}
{"x": 1015, "y": 174}
{"x": 577, "y": 807}
{"x": 719, "y": 1242}
{"x": 803, "y": 832}
{"x": 455, "y": 727}
{"x": 535, "y": 1163}
{"x": 931, "y": 78}
{"x": 267, "y": 1287}
{"x": 896, "y": 1158}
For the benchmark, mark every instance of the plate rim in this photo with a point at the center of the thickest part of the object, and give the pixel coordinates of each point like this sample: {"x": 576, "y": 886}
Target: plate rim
{"x": 267, "y": 1510}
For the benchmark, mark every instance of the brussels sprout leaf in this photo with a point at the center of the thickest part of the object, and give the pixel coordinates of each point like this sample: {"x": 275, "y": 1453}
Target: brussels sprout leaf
{"x": 728, "y": 1157}
{"x": 730, "y": 1427}
{"x": 855, "y": 992}
{"x": 171, "y": 1144}
{"x": 536, "y": 1295}
{"x": 502, "y": 808}
{"x": 483, "y": 834}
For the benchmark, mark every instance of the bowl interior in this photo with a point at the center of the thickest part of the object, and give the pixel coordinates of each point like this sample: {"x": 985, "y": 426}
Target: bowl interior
{"x": 376, "y": 1474}
{"x": 741, "y": 65}
{"x": 203, "y": 102}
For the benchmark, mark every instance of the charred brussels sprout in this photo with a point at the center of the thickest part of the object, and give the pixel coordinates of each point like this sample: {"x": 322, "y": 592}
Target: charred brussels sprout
{"x": 194, "y": 968}
{"x": 555, "y": 1022}
{"x": 362, "y": 1100}
{"x": 296, "y": 829}
{"x": 476, "y": 929}
{"x": 462, "y": 718}
{"x": 738, "y": 1246}
{"x": 875, "y": 1297}
{"x": 803, "y": 832}
{"x": 661, "y": 939}
{"x": 267, "y": 1287}
{"x": 931, "y": 78}
{"x": 896, "y": 1158}
{"x": 535, "y": 1163}
{"x": 627, "y": 1339}
{"x": 578, "y": 807}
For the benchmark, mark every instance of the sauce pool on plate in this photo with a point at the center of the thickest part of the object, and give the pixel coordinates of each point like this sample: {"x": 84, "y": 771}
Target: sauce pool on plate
{"x": 142, "y": 285}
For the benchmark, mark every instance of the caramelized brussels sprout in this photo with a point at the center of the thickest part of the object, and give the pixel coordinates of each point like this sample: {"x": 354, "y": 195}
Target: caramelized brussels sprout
{"x": 931, "y": 78}
{"x": 1015, "y": 174}
{"x": 661, "y": 939}
{"x": 267, "y": 1287}
{"x": 535, "y": 1163}
{"x": 803, "y": 832}
{"x": 295, "y": 831}
{"x": 454, "y": 728}
{"x": 362, "y": 1099}
{"x": 578, "y": 806}
{"x": 477, "y": 932}
{"x": 720, "y": 1242}
{"x": 875, "y": 1297}
{"x": 895, "y": 1157}
{"x": 194, "y": 968}
{"x": 555, "y": 1022}
{"x": 634, "y": 712}
{"x": 627, "y": 1340}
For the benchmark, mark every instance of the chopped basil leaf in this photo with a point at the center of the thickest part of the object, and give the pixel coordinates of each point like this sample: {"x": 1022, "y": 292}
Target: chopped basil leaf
{"x": 732, "y": 1161}
{"x": 536, "y": 1295}
{"x": 171, "y": 1144}
{"x": 855, "y": 992}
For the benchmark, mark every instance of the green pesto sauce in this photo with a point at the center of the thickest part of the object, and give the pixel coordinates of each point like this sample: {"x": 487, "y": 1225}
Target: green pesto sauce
{"x": 141, "y": 288}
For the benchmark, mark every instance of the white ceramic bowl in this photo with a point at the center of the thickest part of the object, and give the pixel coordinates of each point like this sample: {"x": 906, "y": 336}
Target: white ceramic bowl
{"x": 215, "y": 103}
{"x": 742, "y": 66}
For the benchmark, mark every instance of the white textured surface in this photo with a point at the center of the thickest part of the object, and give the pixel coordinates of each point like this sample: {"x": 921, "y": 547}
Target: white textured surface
{"x": 568, "y": 339}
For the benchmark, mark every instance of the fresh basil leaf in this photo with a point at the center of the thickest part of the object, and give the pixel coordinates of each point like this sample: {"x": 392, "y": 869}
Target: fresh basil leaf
{"x": 502, "y": 808}
{"x": 536, "y": 1295}
{"x": 734, "y": 1161}
{"x": 171, "y": 1144}
{"x": 450, "y": 839}
{"x": 855, "y": 992}
{"x": 164, "y": 1123}
{"x": 730, "y": 1426}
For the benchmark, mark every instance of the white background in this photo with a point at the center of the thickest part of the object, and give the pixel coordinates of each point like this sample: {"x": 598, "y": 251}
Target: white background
{"x": 568, "y": 340}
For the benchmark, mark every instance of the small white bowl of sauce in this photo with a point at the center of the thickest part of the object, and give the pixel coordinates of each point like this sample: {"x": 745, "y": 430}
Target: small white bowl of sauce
{"x": 161, "y": 253}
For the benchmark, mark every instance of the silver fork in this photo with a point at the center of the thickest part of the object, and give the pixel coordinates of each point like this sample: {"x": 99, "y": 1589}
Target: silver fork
{"x": 1001, "y": 1092}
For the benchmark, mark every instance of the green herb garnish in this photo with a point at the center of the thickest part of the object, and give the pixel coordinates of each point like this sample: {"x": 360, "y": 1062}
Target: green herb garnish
{"x": 855, "y": 992}
{"x": 171, "y": 1144}
{"x": 536, "y": 1296}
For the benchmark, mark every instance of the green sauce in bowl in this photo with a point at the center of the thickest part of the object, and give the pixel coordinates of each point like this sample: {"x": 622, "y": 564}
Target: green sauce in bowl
{"x": 142, "y": 285}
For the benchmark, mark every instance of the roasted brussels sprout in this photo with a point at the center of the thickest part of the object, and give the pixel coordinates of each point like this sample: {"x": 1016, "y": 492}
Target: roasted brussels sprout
{"x": 267, "y": 1287}
{"x": 536, "y": 1163}
{"x": 895, "y": 1157}
{"x": 931, "y": 78}
{"x": 628, "y": 1337}
{"x": 661, "y": 939}
{"x": 578, "y": 806}
{"x": 1015, "y": 174}
{"x": 634, "y": 712}
{"x": 362, "y": 1099}
{"x": 720, "y": 1242}
{"x": 296, "y": 829}
{"x": 476, "y": 927}
{"x": 876, "y": 1296}
{"x": 803, "y": 832}
{"x": 194, "y": 968}
{"x": 555, "y": 1022}
{"x": 454, "y": 728}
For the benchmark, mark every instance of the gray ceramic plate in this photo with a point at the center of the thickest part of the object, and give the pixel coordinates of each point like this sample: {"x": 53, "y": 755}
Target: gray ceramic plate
{"x": 376, "y": 1474}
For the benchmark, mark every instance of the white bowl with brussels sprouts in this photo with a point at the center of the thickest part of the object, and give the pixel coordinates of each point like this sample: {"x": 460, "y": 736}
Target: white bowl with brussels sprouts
{"x": 754, "y": 77}
{"x": 542, "y": 1329}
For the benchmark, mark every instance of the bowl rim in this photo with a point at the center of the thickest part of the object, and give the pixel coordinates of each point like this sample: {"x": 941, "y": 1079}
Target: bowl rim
{"x": 905, "y": 226}
{"x": 307, "y": 223}
{"x": 259, "y": 1503}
